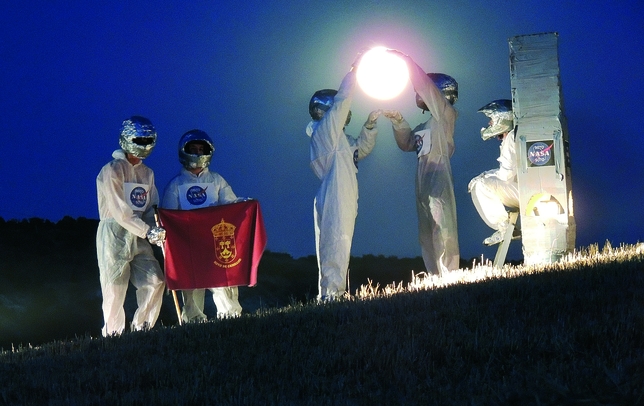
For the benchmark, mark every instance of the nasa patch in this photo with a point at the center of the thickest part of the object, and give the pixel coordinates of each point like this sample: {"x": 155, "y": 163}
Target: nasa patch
{"x": 136, "y": 195}
{"x": 423, "y": 140}
{"x": 195, "y": 195}
{"x": 540, "y": 153}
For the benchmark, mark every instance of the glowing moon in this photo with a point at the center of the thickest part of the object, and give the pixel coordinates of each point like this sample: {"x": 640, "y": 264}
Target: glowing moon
{"x": 381, "y": 74}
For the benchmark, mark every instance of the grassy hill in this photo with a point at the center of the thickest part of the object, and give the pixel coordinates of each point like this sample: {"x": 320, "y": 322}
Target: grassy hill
{"x": 49, "y": 283}
{"x": 569, "y": 333}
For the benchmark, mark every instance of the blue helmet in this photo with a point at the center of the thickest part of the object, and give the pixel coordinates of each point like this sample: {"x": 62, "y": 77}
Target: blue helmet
{"x": 323, "y": 100}
{"x": 446, "y": 84}
{"x": 192, "y": 161}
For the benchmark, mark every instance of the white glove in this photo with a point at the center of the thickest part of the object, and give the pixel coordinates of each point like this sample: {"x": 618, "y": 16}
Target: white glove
{"x": 370, "y": 124}
{"x": 156, "y": 235}
{"x": 401, "y": 55}
{"x": 356, "y": 61}
{"x": 393, "y": 115}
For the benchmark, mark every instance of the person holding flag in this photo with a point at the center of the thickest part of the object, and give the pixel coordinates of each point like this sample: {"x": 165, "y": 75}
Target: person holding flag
{"x": 334, "y": 160}
{"x": 196, "y": 187}
{"x": 126, "y": 198}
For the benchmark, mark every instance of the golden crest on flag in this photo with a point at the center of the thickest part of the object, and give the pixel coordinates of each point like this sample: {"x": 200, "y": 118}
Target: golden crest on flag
{"x": 225, "y": 247}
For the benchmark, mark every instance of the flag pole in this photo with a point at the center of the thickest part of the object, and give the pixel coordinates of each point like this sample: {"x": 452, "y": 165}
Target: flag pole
{"x": 174, "y": 292}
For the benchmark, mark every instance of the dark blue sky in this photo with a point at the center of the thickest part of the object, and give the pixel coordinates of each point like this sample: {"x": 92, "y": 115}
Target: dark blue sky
{"x": 244, "y": 72}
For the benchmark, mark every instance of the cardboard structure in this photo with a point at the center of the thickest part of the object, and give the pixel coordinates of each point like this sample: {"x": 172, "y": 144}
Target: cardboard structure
{"x": 545, "y": 187}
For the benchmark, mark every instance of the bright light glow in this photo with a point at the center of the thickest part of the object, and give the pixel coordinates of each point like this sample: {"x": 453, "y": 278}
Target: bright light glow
{"x": 548, "y": 208}
{"x": 544, "y": 205}
{"x": 381, "y": 74}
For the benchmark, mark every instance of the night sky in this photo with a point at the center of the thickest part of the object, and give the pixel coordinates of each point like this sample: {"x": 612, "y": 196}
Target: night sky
{"x": 244, "y": 72}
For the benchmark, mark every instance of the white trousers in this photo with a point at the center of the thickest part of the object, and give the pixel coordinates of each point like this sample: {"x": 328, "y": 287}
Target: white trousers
{"x": 226, "y": 300}
{"x": 333, "y": 236}
{"x": 146, "y": 276}
{"x": 491, "y": 196}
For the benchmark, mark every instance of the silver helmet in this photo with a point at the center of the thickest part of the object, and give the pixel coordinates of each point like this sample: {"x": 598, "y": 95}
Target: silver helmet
{"x": 138, "y": 136}
{"x": 323, "y": 100}
{"x": 446, "y": 84}
{"x": 501, "y": 118}
{"x": 193, "y": 161}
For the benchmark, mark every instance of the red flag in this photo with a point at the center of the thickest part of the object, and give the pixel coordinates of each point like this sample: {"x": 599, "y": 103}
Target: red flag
{"x": 214, "y": 246}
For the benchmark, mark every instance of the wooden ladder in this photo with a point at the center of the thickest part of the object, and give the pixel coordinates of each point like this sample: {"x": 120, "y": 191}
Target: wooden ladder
{"x": 502, "y": 251}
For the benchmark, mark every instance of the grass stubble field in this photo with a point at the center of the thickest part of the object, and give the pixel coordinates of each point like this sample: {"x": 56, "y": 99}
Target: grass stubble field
{"x": 569, "y": 333}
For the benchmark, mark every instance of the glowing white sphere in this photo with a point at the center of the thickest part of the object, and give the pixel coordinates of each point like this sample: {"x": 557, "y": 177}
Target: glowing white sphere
{"x": 381, "y": 74}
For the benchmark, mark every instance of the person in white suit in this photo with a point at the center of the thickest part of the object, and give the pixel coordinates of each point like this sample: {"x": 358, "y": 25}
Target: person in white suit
{"x": 195, "y": 153}
{"x": 126, "y": 198}
{"x": 433, "y": 143}
{"x": 494, "y": 190}
{"x": 334, "y": 160}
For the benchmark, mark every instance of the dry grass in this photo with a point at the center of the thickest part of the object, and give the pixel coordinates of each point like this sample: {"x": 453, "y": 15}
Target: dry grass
{"x": 567, "y": 333}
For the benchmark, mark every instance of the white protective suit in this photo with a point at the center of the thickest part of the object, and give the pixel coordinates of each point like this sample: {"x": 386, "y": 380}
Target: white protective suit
{"x": 218, "y": 192}
{"x": 433, "y": 142}
{"x": 334, "y": 157}
{"x": 126, "y": 196}
{"x": 495, "y": 189}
